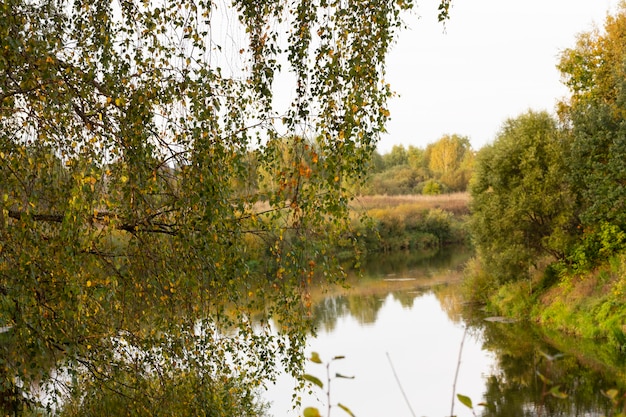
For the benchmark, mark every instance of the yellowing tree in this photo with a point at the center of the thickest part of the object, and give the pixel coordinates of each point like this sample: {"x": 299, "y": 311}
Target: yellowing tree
{"x": 446, "y": 154}
{"x": 593, "y": 69}
{"x": 449, "y": 159}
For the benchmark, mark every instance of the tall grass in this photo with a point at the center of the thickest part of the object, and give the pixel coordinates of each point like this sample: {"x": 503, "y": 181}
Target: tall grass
{"x": 455, "y": 203}
{"x": 412, "y": 221}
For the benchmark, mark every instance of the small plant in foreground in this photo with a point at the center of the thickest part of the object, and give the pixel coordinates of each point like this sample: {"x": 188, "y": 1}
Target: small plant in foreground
{"x": 312, "y": 411}
{"x": 467, "y": 401}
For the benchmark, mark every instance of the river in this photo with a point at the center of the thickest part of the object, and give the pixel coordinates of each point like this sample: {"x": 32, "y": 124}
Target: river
{"x": 410, "y": 345}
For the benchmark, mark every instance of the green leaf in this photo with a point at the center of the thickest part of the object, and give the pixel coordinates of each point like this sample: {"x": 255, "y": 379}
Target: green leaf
{"x": 313, "y": 380}
{"x": 346, "y": 409}
{"x": 336, "y": 358}
{"x": 489, "y": 406}
{"x": 544, "y": 379}
{"x": 311, "y": 412}
{"x": 315, "y": 357}
{"x": 466, "y": 401}
{"x": 338, "y": 375}
{"x": 556, "y": 392}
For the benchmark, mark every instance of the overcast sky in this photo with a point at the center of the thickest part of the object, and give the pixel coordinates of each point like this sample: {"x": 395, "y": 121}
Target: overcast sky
{"x": 496, "y": 60}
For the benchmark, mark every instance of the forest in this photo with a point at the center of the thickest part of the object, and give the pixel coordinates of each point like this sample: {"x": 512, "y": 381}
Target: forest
{"x": 444, "y": 166}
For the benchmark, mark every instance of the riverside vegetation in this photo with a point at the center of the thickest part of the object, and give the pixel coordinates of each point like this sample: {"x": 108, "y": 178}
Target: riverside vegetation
{"x": 548, "y": 204}
{"x": 415, "y": 198}
{"x": 548, "y": 201}
{"x": 412, "y": 221}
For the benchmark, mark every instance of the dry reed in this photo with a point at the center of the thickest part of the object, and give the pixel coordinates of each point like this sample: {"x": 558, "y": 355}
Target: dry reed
{"x": 457, "y": 203}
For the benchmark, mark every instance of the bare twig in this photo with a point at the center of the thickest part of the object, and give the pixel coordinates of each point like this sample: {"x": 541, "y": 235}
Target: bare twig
{"x": 456, "y": 374}
{"x": 400, "y": 385}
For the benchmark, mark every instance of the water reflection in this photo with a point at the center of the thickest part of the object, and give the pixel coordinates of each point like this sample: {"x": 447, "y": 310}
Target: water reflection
{"x": 393, "y": 313}
{"x": 409, "y": 307}
{"x": 403, "y": 275}
{"x": 530, "y": 366}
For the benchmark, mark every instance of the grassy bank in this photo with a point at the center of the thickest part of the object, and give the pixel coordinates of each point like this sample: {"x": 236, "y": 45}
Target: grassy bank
{"x": 589, "y": 305}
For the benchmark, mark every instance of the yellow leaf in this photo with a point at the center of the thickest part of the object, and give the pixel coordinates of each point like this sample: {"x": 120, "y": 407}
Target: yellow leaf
{"x": 311, "y": 412}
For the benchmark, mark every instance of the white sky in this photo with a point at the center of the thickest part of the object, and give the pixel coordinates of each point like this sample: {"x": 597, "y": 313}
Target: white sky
{"x": 496, "y": 60}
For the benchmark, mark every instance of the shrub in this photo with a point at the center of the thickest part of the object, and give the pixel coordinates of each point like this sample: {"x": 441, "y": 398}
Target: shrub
{"x": 432, "y": 187}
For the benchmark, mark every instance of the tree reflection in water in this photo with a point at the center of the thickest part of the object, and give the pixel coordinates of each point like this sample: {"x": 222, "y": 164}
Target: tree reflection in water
{"x": 525, "y": 355}
{"x": 530, "y": 362}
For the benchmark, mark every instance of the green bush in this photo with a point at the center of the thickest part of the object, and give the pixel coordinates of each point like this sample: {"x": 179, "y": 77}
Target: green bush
{"x": 399, "y": 179}
{"x": 438, "y": 223}
{"x": 432, "y": 187}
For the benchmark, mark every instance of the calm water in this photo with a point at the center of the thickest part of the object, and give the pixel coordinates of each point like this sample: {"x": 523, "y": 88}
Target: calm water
{"x": 402, "y": 328}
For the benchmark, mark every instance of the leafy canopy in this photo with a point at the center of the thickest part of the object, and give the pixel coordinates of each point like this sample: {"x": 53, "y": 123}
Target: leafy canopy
{"x": 136, "y": 249}
{"x": 594, "y": 115}
{"x": 521, "y": 205}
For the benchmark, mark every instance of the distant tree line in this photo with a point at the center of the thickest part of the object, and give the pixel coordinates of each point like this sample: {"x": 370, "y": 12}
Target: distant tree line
{"x": 443, "y": 166}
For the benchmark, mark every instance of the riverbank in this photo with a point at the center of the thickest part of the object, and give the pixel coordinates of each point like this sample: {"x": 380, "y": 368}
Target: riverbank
{"x": 413, "y": 222}
{"x": 588, "y": 306}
